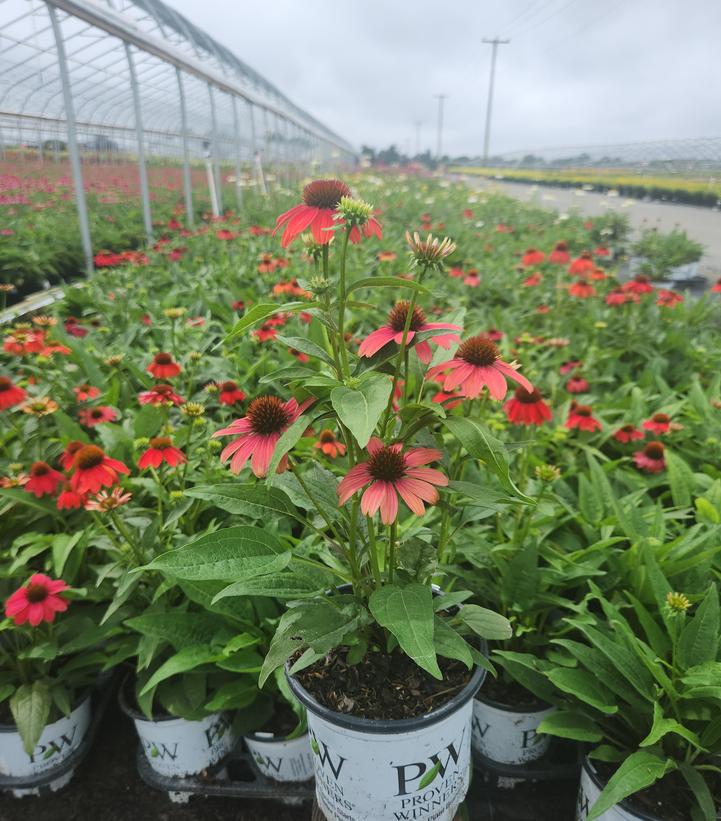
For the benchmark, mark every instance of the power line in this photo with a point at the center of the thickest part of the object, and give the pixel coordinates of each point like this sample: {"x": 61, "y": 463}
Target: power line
{"x": 487, "y": 137}
{"x": 539, "y": 23}
{"x": 519, "y": 21}
{"x": 583, "y": 27}
{"x": 523, "y": 13}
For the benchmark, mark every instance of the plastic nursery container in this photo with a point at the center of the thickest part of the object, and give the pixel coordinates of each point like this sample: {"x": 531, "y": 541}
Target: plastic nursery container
{"x": 57, "y": 742}
{"x": 280, "y": 758}
{"x": 589, "y": 790}
{"x": 178, "y": 747}
{"x": 508, "y": 734}
{"x": 377, "y": 770}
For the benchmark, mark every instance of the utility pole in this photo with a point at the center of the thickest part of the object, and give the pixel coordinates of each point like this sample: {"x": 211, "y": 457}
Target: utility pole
{"x": 440, "y": 98}
{"x": 418, "y": 125}
{"x": 487, "y": 139}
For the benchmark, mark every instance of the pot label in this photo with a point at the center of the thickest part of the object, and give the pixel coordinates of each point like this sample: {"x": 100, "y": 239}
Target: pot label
{"x": 418, "y": 774}
{"x": 588, "y": 793}
{"x": 282, "y": 760}
{"x": 506, "y": 736}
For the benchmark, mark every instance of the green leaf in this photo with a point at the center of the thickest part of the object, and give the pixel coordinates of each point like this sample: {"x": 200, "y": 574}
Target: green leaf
{"x": 63, "y": 545}
{"x": 190, "y": 657}
{"x": 638, "y": 771}
{"x": 22, "y": 497}
{"x": 680, "y": 478}
{"x": 360, "y": 409}
{"x": 567, "y": 724}
{"x": 701, "y": 791}
{"x": 662, "y": 726}
{"x": 277, "y": 586}
{"x": 256, "y": 501}
{"x": 262, "y": 311}
{"x": 482, "y": 495}
{"x": 30, "y": 708}
{"x": 234, "y": 695}
{"x": 699, "y": 640}
{"x": 287, "y": 442}
{"x": 69, "y": 428}
{"x": 306, "y": 346}
{"x": 388, "y": 282}
{"x": 449, "y": 644}
{"x": 236, "y": 552}
{"x": 706, "y": 512}
{"x": 590, "y": 503}
{"x": 485, "y": 623}
{"x": 179, "y": 629}
{"x": 585, "y": 687}
{"x": 481, "y": 445}
{"x": 407, "y": 612}
{"x": 430, "y": 776}
{"x": 147, "y": 421}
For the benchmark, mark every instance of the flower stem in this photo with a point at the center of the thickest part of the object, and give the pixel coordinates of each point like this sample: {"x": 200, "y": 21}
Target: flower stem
{"x": 341, "y": 305}
{"x": 393, "y": 537}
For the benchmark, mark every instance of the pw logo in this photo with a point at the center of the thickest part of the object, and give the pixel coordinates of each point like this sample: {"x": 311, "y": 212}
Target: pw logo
{"x": 326, "y": 757}
{"x": 420, "y": 774}
{"x": 45, "y": 751}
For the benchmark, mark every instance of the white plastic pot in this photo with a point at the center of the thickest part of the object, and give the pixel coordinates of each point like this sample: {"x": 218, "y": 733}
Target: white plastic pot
{"x": 281, "y": 759}
{"x": 373, "y": 770}
{"x": 57, "y": 742}
{"x": 508, "y": 734}
{"x": 178, "y": 747}
{"x": 589, "y": 790}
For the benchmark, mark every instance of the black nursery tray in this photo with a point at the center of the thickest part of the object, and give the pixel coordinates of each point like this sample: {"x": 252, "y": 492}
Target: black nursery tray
{"x": 238, "y": 778}
{"x": 41, "y": 781}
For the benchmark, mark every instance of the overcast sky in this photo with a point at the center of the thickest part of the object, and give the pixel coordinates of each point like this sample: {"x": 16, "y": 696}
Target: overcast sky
{"x": 576, "y": 72}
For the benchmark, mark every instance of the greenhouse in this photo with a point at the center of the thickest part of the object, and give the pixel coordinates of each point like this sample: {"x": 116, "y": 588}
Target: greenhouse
{"x": 341, "y": 482}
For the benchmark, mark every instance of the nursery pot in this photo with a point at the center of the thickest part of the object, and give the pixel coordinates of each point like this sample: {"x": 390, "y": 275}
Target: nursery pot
{"x": 178, "y": 747}
{"x": 589, "y": 790}
{"x": 507, "y": 734}
{"x": 57, "y": 742}
{"x": 373, "y": 770}
{"x": 280, "y": 758}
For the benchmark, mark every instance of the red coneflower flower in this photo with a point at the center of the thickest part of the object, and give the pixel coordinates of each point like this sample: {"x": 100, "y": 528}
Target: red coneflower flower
{"x": 627, "y": 433}
{"x": 716, "y": 287}
{"x": 650, "y": 458}
{"x": 96, "y": 416}
{"x": 668, "y": 299}
{"x": 266, "y": 331}
{"x": 299, "y": 355}
{"x": 21, "y": 342}
{"x": 386, "y": 256}
{"x": 161, "y": 450}
{"x": 43, "y": 480}
{"x": 160, "y": 395}
{"x": 94, "y": 470}
{"x": 559, "y": 255}
{"x": 582, "y": 289}
{"x": 230, "y": 393}
{"x": 266, "y": 264}
{"x": 598, "y": 274}
{"x": 258, "y": 433}
{"x": 472, "y": 279}
{"x": 163, "y": 367}
{"x": 503, "y": 229}
{"x": 317, "y": 212}
{"x": 238, "y": 305}
{"x": 69, "y": 499}
{"x": 74, "y": 329}
{"x": 577, "y": 384}
{"x": 543, "y": 309}
{"x": 582, "y": 264}
{"x": 581, "y": 417}
{"x": 39, "y": 600}
{"x": 570, "y": 365}
{"x": 478, "y": 363}
{"x": 328, "y": 444}
{"x": 225, "y": 234}
{"x": 601, "y": 251}
{"x": 84, "y": 392}
{"x": 532, "y": 257}
{"x": 494, "y": 334}
{"x": 10, "y": 394}
{"x": 391, "y": 473}
{"x": 447, "y": 399}
{"x": 527, "y": 408}
{"x": 456, "y": 271}
{"x": 393, "y": 332}
{"x": 533, "y": 280}
{"x": 659, "y": 423}
{"x": 620, "y": 297}
{"x": 640, "y": 284}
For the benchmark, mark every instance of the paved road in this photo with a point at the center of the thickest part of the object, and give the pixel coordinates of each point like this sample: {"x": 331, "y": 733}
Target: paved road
{"x": 701, "y": 224}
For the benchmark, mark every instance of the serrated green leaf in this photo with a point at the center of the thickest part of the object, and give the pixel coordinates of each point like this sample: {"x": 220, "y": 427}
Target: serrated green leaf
{"x": 360, "y": 409}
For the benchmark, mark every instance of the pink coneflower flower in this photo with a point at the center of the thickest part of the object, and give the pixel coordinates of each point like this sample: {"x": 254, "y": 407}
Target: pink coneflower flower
{"x": 160, "y": 395}
{"x": 494, "y": 334}
{"x": 328, "y": 444}
{"x": 477, "y": 364}
{"x": 69, "y": 499}
{"x": 10, "y": 394}
{"x": 559, "y": 255}
{"x": 582, "y": 289}
{"x": 582, "y": 265}
{"x": 472, "y": 279}
{"x": 640, "y": 284}
{"x": 543, "y": 309}
{"x": 316, "y": 212}
{"x": 618, "y": 297}
{"x": 393, "y": 332}
{"x": 105, "y": 501}
{"x": 448, "y": 399}
{"x": 163, "y": 366}
{"x": 533, "y": 280}
{"x": 581, "y": 417}
{"x": 391, "y": 473}
{"x": 577, "y": 384}
{"x": 659, "y": 423}
{"x": 225, "y": 234}
{"x": 570, "y": 365}
{"x": 527, "y": 408}
{"x": 601, "y": 251}
{"x": 43, "y": 480}
{"x": 456, "y": 271}
{"x": 258, "y": 433}
{"x": 39, "y": 600}
{"x": 94, "y": 470}
{"x": 161, "y": 450}
{"x": 85, "y": 392}
{"x": 668, "y": 299}
{"x": 650, "y": 458}
{"x": 627, "y": 433}
{"x": 532, "y": 257}
{"x": 90, "y": 417}
{"x": 386, "y": 256}
{"x": 230, "y": 393}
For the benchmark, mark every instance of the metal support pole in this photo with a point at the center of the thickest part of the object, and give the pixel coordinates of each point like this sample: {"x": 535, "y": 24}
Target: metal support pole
{"x": 441, "y": 98}
{"x": 487, "y": 137}
{"x": 72, "y": 142}
{"x": 214, "y": 148}
{"x": 144, "y": 188}
{"x": 187, "y": 178}
{"x": 238, "y": 154}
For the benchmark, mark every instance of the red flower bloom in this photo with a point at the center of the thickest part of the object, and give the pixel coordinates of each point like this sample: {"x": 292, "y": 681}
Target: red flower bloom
{"x": 532, "y": 257}
{"x": 258, "y": 433}
{"x": 21, "y": 342}
{"x": 94, "y": 470}
{"x": 582, "y": 289}
{"x": 163, "y": 367}
{"x": 503, "y": 229}
{"x": 447, "y": 399}
{"x": 317, "y": 211}
{"x": 659, "y": 423}
{"x": 90, "y": 417}
{"x": 598, "y": 274}
{"x": 38, "y": 601}
{"x": 582, "y": 265}
{"x": 569, "y": 366}
{"x": 601, "y": 251}
{"x": 391, "y": 473}
{"x": 581, "y": 417}
{"x": 650, "y": 458}
{"x": 577, "y": 384}
{"x": 543, "y": 309}
{"x": 640, "y": 284}
{"x": 10, "y": 394}
{"x": 328, "y": 444}
{"x": 716, "y": 287}
{"x": 43, "y": 479}
{"x": 69, "y": 499}
{"x": 84, "y": 392}
{"x": 238, "y": 305}
{"x": 478, "y": 363}
{"x": 533, "y": 280}
{"x": 455, "y": 271}
{"x": 559, "y": 255}
{"x": 527, "y": 408}
{"x": 620, "y": 297}
{"x": 627, "y": 433}
{"x": 386, "y": 256}
{"x": 161, "y": 450}
{"x": 160, "y": 395}
{"x": 393, "y": 332}
{"x": 230, "y": 393}
{"x": 225, "y": 235}
{"x": 472, "y": 279}
{"x": 73, "y": 329}
{"x": 668, "y": 299}
{"x": 68, "y": 455}
{"x": 494, "y": 334}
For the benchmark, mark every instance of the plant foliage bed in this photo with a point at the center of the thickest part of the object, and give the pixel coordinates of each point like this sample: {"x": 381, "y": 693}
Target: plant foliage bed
{"x": 206, "y": 439}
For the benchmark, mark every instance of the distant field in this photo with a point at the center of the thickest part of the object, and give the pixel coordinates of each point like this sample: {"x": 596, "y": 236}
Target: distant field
{"x": 694, "y": 190}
